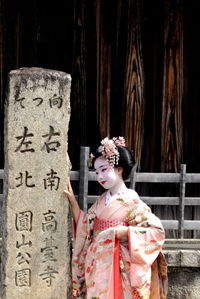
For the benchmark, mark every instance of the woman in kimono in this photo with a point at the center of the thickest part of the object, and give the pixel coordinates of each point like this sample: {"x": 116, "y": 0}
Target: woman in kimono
{"x": 118, "y": 243}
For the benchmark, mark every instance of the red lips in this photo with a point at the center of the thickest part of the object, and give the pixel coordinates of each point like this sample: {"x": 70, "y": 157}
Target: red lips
{"x": 103, "y": 182}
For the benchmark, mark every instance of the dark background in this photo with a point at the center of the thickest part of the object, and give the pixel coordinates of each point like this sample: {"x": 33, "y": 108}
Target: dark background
{"x": 90, "y": 40}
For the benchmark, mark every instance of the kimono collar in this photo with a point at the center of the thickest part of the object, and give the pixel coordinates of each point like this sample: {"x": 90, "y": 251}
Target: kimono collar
{"x": 108, "y": 198}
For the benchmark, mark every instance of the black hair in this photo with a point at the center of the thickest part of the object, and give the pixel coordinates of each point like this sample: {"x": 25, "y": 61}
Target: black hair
{"x": 126, "y": 160}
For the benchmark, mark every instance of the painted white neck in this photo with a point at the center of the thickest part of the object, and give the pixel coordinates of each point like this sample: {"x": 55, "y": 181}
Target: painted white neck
{"x": 118, "y": 188}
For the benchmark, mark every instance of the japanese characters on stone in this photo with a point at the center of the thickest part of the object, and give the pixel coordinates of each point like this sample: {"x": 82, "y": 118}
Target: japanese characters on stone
{"x": 37, "y": 114}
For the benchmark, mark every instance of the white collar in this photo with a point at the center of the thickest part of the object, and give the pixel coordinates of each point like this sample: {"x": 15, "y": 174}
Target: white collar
{"x": 108, "y": 198}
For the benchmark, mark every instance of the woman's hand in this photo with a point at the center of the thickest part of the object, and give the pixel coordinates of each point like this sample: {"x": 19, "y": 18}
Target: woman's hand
{"x": 72, "y": 200}
{"x": 70, "y": 193}
{"x": 121, "y": 232}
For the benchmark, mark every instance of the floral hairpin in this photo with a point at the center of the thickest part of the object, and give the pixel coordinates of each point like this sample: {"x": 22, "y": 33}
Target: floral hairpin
{"x": 108, "y": 149}
{"x": 119, "y": 141}
{"x": 90, "y": 160}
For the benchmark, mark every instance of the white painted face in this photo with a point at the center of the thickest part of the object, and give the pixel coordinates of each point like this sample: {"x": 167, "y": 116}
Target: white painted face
{"x": 107, "y": 176}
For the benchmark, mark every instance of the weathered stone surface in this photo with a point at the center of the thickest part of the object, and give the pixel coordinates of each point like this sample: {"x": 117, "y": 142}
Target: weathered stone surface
{"x": 183, "y": 258}
{"x": 184, "y": 283}
{"x": 191, "y": 244}
{"x": 36, "y": 252}
{"x": 190, "y": 258}
{"x": 173, "y": 258}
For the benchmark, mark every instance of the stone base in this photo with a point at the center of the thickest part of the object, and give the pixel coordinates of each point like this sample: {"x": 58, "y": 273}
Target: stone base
{"x": 184, "y": 283}
{"x": 183, "y": 257}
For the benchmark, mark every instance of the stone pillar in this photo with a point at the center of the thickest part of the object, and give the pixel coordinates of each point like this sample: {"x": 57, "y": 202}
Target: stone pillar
{"x": 36, "y": 247}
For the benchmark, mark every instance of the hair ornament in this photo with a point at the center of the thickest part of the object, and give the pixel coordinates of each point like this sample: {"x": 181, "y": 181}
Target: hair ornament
{"x": 90, "y": 160}
{"x": 108, "y": 149}
{"x": 119, "y": 141}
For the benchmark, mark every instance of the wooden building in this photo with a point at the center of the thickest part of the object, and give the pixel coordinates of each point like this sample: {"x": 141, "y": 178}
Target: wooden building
{"x": 135, "y": 68}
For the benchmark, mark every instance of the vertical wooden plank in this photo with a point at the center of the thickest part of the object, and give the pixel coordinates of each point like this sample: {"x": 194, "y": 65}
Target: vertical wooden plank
{"x": 182, "y": 201}
{"x": 98, "y": 31}
{"x": 2, "y": 76}
{"x": 103, "y": 66}
{"x": 2, "y": 31}
{"x": 79, "y": 70}
{"x": 133, "y": 110}
{"x": 172, "y": 98}
{"x": 83, "y": 178}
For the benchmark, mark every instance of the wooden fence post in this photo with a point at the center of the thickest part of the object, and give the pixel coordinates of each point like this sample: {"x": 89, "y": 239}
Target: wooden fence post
{"x": 182, "y": 201}
{"x": 83, "y": 178}
{"x": 1, "y": 174}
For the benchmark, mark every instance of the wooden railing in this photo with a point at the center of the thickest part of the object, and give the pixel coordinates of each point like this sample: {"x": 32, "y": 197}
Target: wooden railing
{"x": 85, "y": 176}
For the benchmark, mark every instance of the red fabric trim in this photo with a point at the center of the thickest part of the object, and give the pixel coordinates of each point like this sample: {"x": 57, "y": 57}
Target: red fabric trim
{"x": 118, "y": 292}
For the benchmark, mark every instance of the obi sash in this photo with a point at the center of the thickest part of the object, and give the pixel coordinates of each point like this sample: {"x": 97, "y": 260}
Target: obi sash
{"x": 102, "y": 224}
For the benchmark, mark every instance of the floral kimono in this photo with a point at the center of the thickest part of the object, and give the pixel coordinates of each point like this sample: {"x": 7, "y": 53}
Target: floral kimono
{"x": 105, "y": 267}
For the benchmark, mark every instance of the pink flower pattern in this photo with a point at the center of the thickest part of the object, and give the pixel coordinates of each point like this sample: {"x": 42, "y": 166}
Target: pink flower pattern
{"x": 94, "y": 251}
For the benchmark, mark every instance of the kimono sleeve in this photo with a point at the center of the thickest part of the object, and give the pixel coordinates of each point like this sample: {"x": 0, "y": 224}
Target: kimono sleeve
{"x": 146, "y": 238}
{"x": 82, "y": 241}
{"x": 84, "y": 223}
